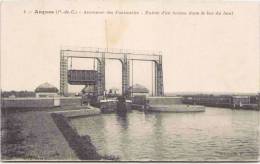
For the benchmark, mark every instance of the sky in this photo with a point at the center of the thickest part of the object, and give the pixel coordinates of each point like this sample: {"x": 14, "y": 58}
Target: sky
{"x": 212, "y": 53}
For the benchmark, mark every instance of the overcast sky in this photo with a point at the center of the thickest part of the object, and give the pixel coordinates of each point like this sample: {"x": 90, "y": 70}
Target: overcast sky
{"x": 200, "y": 53}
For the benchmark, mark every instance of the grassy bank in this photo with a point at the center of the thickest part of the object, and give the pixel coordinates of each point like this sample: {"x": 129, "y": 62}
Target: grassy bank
{"x": 12, "y": 140}
{"x": 32, "y": 135}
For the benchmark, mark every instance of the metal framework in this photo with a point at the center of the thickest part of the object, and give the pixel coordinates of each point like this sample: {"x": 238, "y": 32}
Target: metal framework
{"x": 124, "y": 56}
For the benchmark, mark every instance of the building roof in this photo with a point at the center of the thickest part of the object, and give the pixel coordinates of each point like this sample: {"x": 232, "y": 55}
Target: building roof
{"x": 114, "y": 89}
{"x": 137, "y": 88}
{"x": 46, "y": 87}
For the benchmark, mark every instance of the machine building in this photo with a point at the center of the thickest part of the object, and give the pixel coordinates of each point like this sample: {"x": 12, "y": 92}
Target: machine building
{"x": 46, "y": 90}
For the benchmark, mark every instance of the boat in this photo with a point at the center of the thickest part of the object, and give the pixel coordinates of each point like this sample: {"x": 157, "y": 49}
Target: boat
{"x": 108, "y": 105}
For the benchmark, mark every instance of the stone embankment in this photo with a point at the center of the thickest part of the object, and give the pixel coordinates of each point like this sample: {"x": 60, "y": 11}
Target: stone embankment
{"x": 81, "y": 145}
{"x": 82, "y": 112}
{"x": 176, "y": 108}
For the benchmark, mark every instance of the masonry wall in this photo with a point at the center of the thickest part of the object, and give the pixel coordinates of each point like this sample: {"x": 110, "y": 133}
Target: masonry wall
{"x": 27, "y": 102}
{"x": 70, "y": 101}
{"x": 164, "y": 100}
{"x": 33, "y": 102}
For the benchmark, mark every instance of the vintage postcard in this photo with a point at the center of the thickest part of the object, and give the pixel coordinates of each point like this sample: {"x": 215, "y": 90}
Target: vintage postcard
{"x": 132, "y": 80}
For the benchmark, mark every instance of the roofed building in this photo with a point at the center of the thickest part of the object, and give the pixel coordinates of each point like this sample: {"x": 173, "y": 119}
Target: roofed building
{"x": 139, "y": 90}
{"x": 46, "y": 90}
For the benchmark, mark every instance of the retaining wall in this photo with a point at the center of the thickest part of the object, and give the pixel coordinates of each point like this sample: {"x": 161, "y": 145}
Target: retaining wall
{"x": 34, "y": 102}
{"x": 70, "y": 101}
{"x": 164, "y": 100}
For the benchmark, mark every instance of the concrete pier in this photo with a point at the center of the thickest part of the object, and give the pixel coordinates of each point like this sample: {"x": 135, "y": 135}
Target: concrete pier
{"x": 176, "y": 108}
{"x": 84, "y": 111}
{"x": 164, "y": 100}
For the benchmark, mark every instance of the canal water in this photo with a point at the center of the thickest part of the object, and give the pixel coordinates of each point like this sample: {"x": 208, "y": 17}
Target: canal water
{"x": 218, "y": 134}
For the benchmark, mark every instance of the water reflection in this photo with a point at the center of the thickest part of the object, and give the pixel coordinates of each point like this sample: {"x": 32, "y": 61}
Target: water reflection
{"x": 122, "y": 119}
{"x": 218, "y": 134}
{"x": 158, "y": 143}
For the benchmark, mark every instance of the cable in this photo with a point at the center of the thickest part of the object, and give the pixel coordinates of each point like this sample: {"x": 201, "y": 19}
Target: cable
{"x": 71, "y": 63}
{"x": 152, "y": 79}
{"x": 94, "y": 64}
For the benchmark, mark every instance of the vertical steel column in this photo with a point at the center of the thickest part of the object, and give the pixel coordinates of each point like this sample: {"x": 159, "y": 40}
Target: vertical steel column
{"x": 125, "y": 75}
{"x": 103, "y": 72}
{"x": 97, "y": 80}
{"x": 155, "y": 78}
{"x": 159, "y": 78}
{"x": 259, "y": 101}
{"x": 152, "y": 78}
{"x": 101, "y": 83}
{"x": 63, "y": 74}
{"x": 99, "y": 86}
{"x": 128, "y": 78}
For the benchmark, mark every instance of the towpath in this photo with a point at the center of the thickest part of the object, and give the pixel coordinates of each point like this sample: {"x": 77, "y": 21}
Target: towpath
{"x": 33, "y": 135}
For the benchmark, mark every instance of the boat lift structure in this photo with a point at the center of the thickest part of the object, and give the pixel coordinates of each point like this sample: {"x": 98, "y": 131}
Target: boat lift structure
{"x": 101, "y": 55}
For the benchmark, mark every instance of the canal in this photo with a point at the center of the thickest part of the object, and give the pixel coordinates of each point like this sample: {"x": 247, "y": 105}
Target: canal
{"x": 218, "y": 134}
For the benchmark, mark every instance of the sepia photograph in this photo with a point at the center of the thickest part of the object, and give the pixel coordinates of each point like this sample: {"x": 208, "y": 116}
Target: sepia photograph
{"x": 130, "y": 81}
